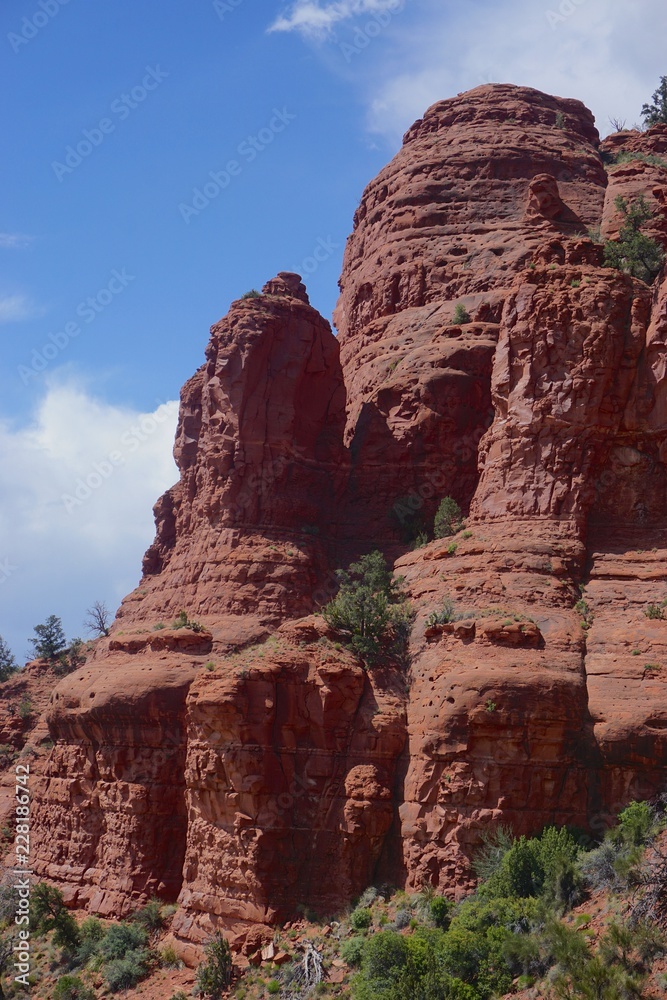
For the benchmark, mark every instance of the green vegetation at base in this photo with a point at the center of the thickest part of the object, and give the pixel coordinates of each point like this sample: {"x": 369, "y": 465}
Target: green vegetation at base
{"x": 215, "y": 974}
{"x": 512, "y": 932}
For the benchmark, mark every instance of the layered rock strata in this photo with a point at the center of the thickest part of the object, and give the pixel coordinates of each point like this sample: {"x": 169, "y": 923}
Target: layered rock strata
{"x": 248, "y": 766}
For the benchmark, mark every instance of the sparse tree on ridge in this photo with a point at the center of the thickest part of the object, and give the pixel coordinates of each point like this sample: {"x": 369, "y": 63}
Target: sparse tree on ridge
{"x": 98, "y": 619}
{"x": 8, "y": 665}
{"x": 50, "y": 641}
{"x": 656, "y": 113}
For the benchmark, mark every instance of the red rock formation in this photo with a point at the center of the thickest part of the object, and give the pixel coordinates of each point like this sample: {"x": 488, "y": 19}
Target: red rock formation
{"x": 292, "y": 755}
{"x": 284, "y": 775}
{"x": 481, "y": 181}
{"x": 258, "y": 444}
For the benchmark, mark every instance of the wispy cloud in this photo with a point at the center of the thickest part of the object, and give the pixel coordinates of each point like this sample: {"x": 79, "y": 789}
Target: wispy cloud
{"x": 599, "y": 53}
{"x": 15, "y": 308}
{"x": 314, "y": 19}
{"x": 14, "y": 241}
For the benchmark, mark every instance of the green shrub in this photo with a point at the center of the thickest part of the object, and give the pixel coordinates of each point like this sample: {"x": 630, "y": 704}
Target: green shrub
{"x": 636, "y": 825}
{"x": 70, "y": 659}
{"x": 395, "y": 966}
{"x": 656, "y": 611}
{"x": 352, "y": 950}
{"x": 215, "y": 974}
{"x": 447, "y": 519}
{"x": 441, "y": 912}
{"x": 182, "y": 621}
{"x": 461, "y": 315}
{"x": 72, "y": 988}
{"x": 124, "y": 973}
{"x": 633, "y": 252}
{"x": 361, "y": 919}
{"x": 402, "y": 919}
{"x": 443, "y": 615}
{"x": 369, "y": 608}
{"x": 628, "y": 156}
{"x": 91, "y": 933}
{"x": 656, "y": 112}
{"x": 150, "y": 917}
{"x": 252, "y": 294}
{"x": 121, "y": 939}
{"x": 368, "y": 896}
{"x": 273, "y": 987}
{"x": 168, "y": 957}
{"x": 25, "y": 707}
{"x": 542, "y": 866}
{"x": 583, "y": 973}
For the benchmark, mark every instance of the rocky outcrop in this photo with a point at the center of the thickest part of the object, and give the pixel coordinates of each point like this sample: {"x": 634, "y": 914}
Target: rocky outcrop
{"x": 291, "y": 772}
{"x": 480, "y": 183}
{"x": 239, "y": 760}
{"x": 246, "y": 530}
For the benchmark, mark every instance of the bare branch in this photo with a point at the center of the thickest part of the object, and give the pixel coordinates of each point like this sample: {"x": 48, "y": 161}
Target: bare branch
{"x": 98, "y": 619}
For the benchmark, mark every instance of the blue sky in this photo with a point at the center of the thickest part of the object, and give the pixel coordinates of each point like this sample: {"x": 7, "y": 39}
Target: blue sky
{"x": 113, "y": 269}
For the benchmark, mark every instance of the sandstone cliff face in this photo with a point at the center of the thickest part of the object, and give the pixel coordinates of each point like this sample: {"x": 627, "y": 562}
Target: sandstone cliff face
{"x": 253, "y": 767}
{"x": 481, "y": 181}
{"x": 259, "y": 447}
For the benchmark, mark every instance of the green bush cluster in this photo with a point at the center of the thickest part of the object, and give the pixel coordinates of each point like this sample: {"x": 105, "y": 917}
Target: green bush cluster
{"x": 71, "y": 987}
{"x": 510, "y": 932}
{"x": 612, "y": 865}
{"x": 121, "y": 950}
{"x": 369, "y": 610}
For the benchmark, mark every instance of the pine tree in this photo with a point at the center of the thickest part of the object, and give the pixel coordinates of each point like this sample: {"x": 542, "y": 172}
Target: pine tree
{"x": 50, "y": 641}
{"x": 656, "y": 113}
{"x": 8, "y": 664}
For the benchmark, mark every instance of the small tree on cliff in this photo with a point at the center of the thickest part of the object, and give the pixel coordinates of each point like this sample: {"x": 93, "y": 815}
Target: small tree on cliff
{"x": 49, "y": 913}
{"x": 368, "y": 607}
{"x": 98, "y": 619}
{"x": 447, "y": 519}
{"x": 656, "y": 112}
{"x": 50, "y": 641}
{"x": 633, "y": 252}
{"x": 8, "y": 664}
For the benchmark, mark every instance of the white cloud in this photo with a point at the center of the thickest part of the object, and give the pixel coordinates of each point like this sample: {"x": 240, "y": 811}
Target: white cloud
{"x": 76, "y": 496}
{"x": 15, "y": 308}
{"x": 14, "y": 241}
{"x": 607, "y": 53}
{"x": 312, "y": 19}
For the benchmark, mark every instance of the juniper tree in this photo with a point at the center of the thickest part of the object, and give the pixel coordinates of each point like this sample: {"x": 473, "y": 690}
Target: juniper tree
{"x": 656, "y": 112}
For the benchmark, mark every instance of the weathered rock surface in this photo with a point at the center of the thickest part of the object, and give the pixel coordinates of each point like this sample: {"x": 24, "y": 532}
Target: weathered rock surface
{"x": 291, "y": 773}
{"x": 259, "y": 447}
{"x": 253, "y": 767}
{"x": 480, "y": 183}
